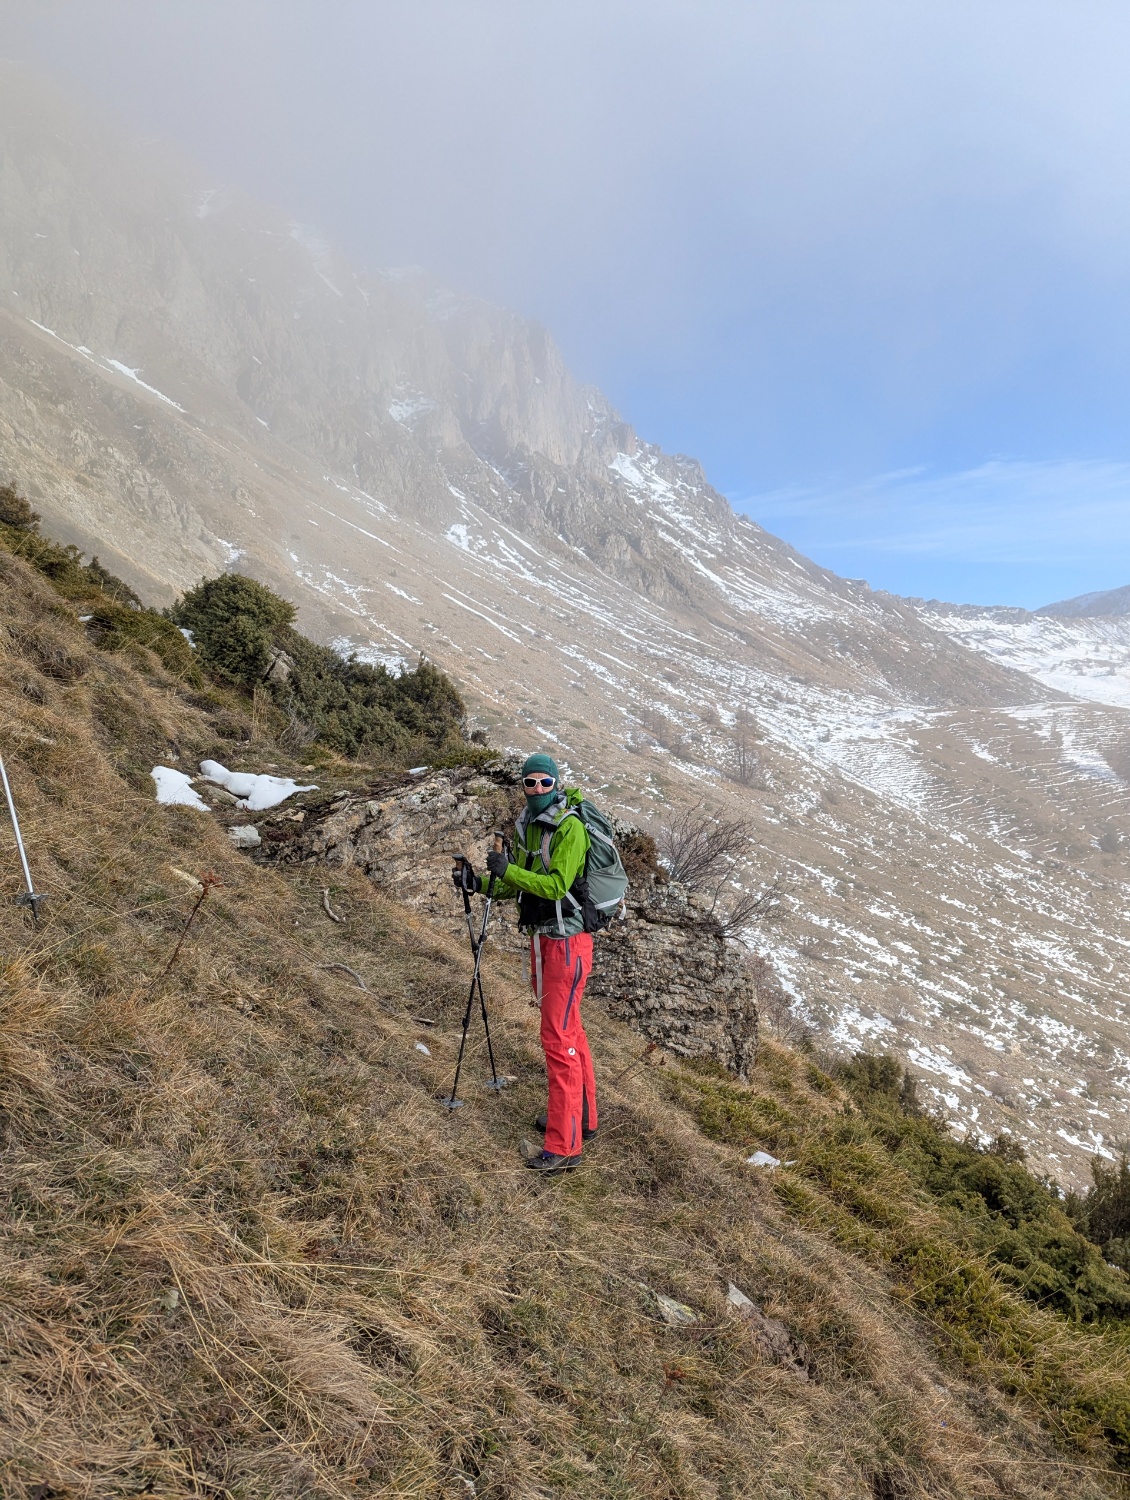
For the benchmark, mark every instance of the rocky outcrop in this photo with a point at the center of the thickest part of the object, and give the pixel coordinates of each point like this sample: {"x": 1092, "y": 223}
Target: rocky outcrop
{"x": 671, "y": 973}
{"x": 667, "y": 969}
{"x": 402, "y": 832}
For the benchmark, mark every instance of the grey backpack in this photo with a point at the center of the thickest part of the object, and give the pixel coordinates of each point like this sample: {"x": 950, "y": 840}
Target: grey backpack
{"x": 600, "y": 888}
{"x": 604, "y": 883}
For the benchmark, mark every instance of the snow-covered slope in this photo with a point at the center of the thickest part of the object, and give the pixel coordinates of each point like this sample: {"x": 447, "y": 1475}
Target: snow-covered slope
{"x": 1084, "y": 657}
{"x": 1086, "y": 606}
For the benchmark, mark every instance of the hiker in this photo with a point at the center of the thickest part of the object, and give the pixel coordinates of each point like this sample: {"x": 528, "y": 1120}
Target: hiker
{"x": 550, "y": 846}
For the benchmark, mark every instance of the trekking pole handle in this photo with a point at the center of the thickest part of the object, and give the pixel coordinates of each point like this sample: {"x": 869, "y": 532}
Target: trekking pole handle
{"x": 463, "y": 868}
{"x": 501, "y": 846}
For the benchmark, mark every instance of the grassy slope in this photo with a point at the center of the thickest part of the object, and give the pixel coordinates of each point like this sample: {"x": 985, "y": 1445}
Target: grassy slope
{"x": 245, "y": 1254}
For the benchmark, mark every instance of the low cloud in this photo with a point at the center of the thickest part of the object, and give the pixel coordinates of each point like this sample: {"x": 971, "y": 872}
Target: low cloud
{"x": 790, "y": 239}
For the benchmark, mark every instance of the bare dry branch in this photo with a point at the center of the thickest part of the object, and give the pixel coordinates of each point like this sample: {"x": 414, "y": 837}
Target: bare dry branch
{"x": 700, "y": 848}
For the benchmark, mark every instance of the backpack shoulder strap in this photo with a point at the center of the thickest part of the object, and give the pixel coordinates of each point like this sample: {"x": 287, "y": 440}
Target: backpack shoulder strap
{"x": 550, "y": 832}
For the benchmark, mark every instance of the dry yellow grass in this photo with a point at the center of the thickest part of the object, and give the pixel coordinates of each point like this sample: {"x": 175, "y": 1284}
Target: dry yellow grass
{"x": 244, "y": 1253}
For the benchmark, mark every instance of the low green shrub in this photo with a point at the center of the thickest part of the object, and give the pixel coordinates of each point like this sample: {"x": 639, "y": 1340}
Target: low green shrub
{"x": 731, "y": 1113}
{"x": 236, "y": 626}
{"x": 1103, "y": 1215}
{"x": 979, "y": 1246}
{"x": 243, "y": 638}
{"x": 244, "y": 635}
{"x": 116, "y": 627}
{"x": 997, "y": 1209}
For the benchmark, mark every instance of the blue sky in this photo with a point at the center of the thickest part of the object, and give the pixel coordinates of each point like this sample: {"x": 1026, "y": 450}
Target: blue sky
{"x": 869, "y": 262}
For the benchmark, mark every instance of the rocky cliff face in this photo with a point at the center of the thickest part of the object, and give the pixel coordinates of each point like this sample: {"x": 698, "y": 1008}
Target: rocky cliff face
{"x": 189, "y": 382}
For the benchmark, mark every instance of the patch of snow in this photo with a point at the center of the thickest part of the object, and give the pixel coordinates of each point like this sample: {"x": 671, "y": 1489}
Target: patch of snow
{"x": 116, "y": 364}
{"x": 103, "y": 362}
{"x": 853, "y": 1026}
{"x": 932, "y": 1061}
{"x": 1088, "y": 659}
{"x": 405, "y": 409}
{"x": 175, "y": 789}
{"x": 508, "y": 633}
{"x": 372, "y": 654}
{"x": 256, "y": 792}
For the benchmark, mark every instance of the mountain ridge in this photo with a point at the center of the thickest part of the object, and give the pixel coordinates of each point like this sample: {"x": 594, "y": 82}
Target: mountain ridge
{"x": 1086, "y": 606}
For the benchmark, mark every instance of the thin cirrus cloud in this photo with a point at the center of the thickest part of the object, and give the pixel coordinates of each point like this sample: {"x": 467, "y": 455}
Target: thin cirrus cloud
{"x": 1030, "y": 532}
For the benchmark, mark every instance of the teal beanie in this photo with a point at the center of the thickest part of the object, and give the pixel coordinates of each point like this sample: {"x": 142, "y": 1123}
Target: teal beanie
{"x": 542, "y": 765}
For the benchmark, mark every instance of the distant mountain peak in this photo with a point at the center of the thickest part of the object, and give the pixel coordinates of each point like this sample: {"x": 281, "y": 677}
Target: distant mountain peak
{"x": 1086, "y": 606}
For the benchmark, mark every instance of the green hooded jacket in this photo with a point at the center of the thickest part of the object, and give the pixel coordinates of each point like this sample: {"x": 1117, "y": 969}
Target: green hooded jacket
{"x": 568, "y": 846}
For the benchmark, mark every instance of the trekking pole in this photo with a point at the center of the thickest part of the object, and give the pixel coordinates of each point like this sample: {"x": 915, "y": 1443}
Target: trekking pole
{"x": 29, "y": 897}
{"x": 495, "y": 1082}
{"x": 476, "y": 980}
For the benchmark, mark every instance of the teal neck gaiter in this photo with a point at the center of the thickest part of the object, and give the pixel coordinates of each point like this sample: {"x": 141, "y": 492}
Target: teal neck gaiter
{"x": 538, "y": 805}
{"x": 541, "y": 765}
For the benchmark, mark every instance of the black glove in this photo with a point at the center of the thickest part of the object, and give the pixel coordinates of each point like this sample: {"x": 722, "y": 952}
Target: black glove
{"x": 463, "y": 875}
{"x": 497, "y": 864}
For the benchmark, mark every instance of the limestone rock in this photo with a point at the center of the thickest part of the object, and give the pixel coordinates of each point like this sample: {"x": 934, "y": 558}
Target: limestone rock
{"x": 669, "y": 971}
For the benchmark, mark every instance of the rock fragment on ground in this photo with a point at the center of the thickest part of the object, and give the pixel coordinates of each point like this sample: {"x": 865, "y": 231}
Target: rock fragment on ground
{"x": 776, "y": 1342}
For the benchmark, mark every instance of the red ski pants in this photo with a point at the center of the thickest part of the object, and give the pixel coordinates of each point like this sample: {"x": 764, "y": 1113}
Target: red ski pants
{"x": 559, "y": 968}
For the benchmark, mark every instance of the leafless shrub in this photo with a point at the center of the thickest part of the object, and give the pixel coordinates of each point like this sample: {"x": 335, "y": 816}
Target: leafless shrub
{"x": 745, "y": 765}
{"x": 746, "y": 907}
{"x": 701, "y": 851}
{"x": 661, "y": 728}
{"x": 775, "y": 1007}
{"x": 699, "y": 848}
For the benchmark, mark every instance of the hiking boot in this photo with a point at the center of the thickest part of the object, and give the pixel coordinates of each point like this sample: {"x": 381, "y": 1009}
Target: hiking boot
{"x": 586, "y": 1134}
{"x": 547, "y": 1163}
